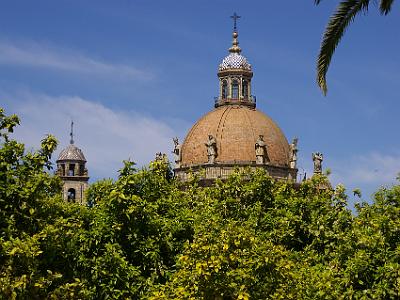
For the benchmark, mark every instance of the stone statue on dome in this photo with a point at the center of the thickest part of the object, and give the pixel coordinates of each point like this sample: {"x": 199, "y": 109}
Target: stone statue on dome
{"x": 211, "y": 149}
{"x": 177, "y": 152}
{"x": 293, "y": 154}
{"x": 317, "y": 159}
{"x": 261, "y": 150}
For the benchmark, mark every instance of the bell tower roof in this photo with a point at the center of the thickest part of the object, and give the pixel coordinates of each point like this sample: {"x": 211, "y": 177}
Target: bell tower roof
{"x": 71, "y": 152}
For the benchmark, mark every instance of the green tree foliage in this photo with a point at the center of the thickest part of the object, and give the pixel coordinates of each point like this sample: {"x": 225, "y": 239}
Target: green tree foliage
{"x": 340, "y": 20}
{"x": 145, "y": 236}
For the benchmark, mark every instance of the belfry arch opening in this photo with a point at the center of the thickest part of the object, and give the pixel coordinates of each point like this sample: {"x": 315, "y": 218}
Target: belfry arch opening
{"x": 71, "y": 170}
{"x": 71, "y": 195}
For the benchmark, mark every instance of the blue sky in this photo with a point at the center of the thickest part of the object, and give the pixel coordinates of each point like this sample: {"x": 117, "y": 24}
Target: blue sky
{"x": 134, "y": 74}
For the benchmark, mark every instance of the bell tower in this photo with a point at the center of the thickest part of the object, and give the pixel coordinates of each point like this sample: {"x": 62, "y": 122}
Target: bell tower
{"x": 71, "y": 167}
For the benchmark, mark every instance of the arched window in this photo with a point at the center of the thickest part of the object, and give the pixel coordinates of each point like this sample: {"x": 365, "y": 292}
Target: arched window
{"x": 235, "y": 89}
{"x": 71, "y": 195}
{"x": 224, "y": 89}
{"x": 245, "y": 89}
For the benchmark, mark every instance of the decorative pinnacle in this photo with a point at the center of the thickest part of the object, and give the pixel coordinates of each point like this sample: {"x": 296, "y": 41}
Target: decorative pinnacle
{"x": 235, "y": 43}
{"x": 72, "y": 133}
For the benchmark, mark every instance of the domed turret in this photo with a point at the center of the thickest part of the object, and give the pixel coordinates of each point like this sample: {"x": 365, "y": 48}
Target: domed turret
{"x": 71, "y": 153}
{"x": 72, "y": 170}
{"x": 235, "y": 134}
{"x": 234, "y": 61}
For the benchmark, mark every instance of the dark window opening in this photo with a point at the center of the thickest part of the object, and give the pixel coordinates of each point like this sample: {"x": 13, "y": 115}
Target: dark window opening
{"x": 224, "y": 89}
{"x": 245, "y": 89}
{"x": 71, "y": 195}
{"x": 235, "y": 89}
{"x": 81, "y": 169}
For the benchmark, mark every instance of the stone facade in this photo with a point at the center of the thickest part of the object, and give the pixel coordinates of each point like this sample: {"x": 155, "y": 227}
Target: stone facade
{"x": 209, "y": 173}
{"x": 79, "y": 185}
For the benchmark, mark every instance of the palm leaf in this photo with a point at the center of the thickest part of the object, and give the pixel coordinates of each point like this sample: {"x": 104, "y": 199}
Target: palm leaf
{"x": 385, "y": 6}
{"x": 334, "y": 31}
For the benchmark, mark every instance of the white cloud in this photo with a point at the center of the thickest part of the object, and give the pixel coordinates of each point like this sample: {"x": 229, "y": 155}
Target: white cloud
{"x": 38, "y": 55}
{"x": 368, "y": 171}
{"x": 374, "y": 168}
{"x": 106, "y": 136}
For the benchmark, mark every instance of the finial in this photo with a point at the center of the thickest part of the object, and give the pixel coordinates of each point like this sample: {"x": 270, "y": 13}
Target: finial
{"x": 235, "y": 17}
{"x": 235, "y": 44}
{"x": 72, "y": 133}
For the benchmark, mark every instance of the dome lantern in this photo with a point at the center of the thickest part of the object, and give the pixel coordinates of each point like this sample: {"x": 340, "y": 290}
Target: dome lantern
{"x": 235, "y": 73}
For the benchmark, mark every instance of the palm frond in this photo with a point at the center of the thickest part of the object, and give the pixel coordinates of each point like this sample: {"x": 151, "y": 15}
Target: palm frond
{"x": 334, "y": 31}
{"x": 385, "y": 6}
{"x": 316, "y": 2}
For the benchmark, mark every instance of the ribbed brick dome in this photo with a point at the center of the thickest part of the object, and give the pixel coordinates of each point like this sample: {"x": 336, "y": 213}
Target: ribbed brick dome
{"x": 236, "y": 129}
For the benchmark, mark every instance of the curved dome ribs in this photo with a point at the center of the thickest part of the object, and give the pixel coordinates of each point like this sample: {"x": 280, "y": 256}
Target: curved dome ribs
{"x": 252, "y": 127}
{"x": 236, "y": 129}
{"x": 221, "y": 128}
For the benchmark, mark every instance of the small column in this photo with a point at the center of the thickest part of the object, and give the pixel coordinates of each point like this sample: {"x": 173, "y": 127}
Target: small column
{"x": 76, "y": 170}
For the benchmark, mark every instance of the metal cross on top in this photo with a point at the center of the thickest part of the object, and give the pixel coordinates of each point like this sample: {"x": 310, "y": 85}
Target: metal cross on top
{"x": 235, "y": 17}
{"x": 72, "y": 133}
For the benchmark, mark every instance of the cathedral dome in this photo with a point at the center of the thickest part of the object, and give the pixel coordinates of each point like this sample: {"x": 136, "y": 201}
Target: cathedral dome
{"x": 236, "y": 129}
{"x": 234, "y": 135}
{"x": 71, "y": 153}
